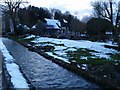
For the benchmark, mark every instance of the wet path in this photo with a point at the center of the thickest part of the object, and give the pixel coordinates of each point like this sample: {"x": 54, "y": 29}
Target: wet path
{"x": 42, "y": 72}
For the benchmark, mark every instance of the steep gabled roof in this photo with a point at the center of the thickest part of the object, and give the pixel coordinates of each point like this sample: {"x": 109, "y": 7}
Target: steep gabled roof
{"x": 54, "y": 23}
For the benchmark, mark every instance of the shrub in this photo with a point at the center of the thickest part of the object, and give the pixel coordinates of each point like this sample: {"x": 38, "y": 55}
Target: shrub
{"x": 21, "y": 29}
{"x": 96, "y": 26}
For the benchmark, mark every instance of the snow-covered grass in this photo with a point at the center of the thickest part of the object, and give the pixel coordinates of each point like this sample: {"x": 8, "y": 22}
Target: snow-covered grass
{"x": 17, "y": 78}
{"x": 96, "y": 46}
{"x": 31, "y": 36}
{"x": 80, "y": 51}
{"x": 55, "y": 56}
{"x": 89, "y": 56}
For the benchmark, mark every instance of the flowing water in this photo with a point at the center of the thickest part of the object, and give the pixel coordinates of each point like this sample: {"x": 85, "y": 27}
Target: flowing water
{"x": 44, "y": 73}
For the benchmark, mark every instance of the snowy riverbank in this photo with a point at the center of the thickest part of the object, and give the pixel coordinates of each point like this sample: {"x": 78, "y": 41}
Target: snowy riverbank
{"x": 84, "y": 57}
{"x": 17, "y": 78}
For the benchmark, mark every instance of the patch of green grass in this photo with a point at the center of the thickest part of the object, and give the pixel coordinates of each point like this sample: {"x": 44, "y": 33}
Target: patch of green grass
{"x": 76, "y": 55}
{"x": 80, "y": 52}
{"x": 115, "y": 56}
{"x": 13, "y": 37}
{"x": 91, "y": 61}
{"x": 22, "y": 39}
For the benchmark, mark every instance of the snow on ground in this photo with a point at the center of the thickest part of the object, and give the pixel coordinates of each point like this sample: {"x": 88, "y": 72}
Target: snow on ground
{"x": 51, "y": 54}
{"x": 111, "y": 43}
{"x": 17, "y": 78}
{"x": 101, "y": 51}
{"x": 83, "y": 57}
{"x": 29, "y": 37}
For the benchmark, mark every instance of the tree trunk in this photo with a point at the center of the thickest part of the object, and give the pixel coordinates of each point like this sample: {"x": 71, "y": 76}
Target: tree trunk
{"x": 117, "y": 17}
{"x": 13, "y": 19}
{"x": 111, "y": 16}
{"x": 111, "y": 10}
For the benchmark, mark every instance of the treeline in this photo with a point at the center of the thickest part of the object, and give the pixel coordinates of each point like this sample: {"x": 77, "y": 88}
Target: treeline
{"x": 31, "y": 14}
{"x": 105, "y": 18}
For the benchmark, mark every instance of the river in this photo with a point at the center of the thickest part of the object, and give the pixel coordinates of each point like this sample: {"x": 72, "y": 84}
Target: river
{"x": 43, "y": 73}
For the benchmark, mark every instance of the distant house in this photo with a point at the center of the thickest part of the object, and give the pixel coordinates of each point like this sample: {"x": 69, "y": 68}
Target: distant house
{"x": 64, "y": 26}
{"x": 52, "y": 26}
{"x": 108, "y": 33}
{"x": 38, "y": 28}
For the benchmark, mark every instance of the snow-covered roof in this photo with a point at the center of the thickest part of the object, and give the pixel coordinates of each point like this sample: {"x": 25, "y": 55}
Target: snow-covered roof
{"x": 54, "y": 23}
{"x": 34, "y": 27}
{"x": 65, "y": 21}
{"x": 26, "y": 27}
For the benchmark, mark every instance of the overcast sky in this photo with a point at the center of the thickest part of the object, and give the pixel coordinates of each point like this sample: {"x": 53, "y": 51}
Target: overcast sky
{"x": 78, "y": 8}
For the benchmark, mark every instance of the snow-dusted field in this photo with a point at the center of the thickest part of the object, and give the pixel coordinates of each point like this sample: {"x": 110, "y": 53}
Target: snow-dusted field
{"x": 17, "y": 78}
{"x": 62, "y": 46}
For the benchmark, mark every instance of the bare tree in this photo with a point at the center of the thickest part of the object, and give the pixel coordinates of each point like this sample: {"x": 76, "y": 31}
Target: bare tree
{"x": 107, "y": 10}
{"x": 118, "y": 16}
{"x": 13, "y": 7}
